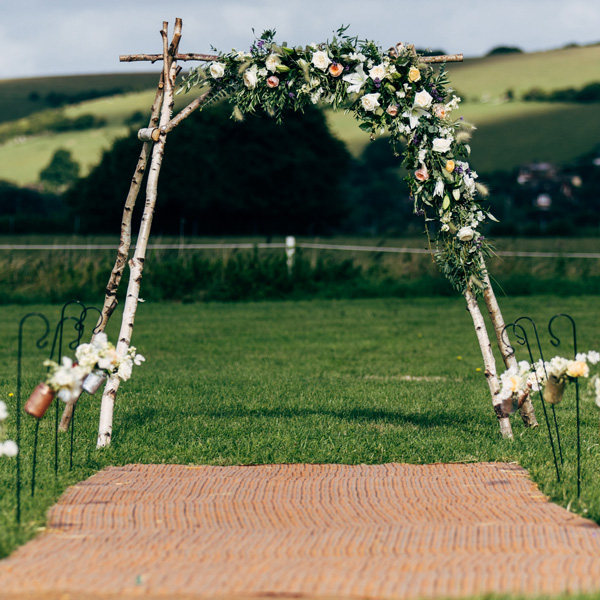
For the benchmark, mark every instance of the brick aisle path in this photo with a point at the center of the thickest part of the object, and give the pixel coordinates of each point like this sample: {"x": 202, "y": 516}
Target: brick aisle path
{"x": 328, "y": 531}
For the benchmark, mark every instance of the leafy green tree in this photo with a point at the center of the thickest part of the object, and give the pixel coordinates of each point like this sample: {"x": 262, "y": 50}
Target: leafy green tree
{"x": 221, "y": 176}
{"x": 61, "y": 172}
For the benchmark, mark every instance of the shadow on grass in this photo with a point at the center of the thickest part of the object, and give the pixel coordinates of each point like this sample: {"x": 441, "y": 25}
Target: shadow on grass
{"x": 361, "y": 415}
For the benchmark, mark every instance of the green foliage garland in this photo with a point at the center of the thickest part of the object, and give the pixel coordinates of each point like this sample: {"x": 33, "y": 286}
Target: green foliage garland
{"x": 386, "y": 91}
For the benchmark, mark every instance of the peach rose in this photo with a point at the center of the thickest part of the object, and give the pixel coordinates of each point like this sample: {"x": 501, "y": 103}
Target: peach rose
{"x": 578, "y": 368}
{"x": 273, "y": 81}
{"x": 414, "y": 74}
{"x": 422, "y": 174}
{"x": 439, "y": 110}
{"x": 392, "y": 110}
{"x": 336, "y": 69}
{"x": 450, "y": 166}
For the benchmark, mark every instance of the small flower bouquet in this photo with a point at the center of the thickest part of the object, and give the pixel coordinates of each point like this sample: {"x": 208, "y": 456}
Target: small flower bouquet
{"x": 7, "y": 447}
{"x": 551, "y": 376}
{"x": 100, "y": 358}
{"x": 67, "y": 380}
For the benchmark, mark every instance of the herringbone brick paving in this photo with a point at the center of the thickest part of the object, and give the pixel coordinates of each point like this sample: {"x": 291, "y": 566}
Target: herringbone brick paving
{"x": 329, "y": 531}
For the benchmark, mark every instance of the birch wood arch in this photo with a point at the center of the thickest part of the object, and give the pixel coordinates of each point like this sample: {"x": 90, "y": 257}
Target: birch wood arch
{"x": 418, "y": 115}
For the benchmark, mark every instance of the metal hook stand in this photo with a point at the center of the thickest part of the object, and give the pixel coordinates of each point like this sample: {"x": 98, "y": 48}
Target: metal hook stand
{"x": 41, "y": 343}
{"x": 555, "y": 341}
{"x": 523, "y": 339}
{"x": 56, "y": 347}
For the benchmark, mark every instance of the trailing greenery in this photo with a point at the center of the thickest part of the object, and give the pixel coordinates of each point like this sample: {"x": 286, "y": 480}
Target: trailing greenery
{"x": 329, "y": 381}
{"x": 398, "y": 94}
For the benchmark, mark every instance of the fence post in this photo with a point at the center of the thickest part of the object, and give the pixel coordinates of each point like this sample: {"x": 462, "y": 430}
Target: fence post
{"x": 290, "y": 251}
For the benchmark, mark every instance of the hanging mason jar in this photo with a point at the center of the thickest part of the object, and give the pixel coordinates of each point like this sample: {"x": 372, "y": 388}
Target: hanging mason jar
{"x": 554, "y": 389}
{"x": 91, "y": 384}
{"x": 39, "y": 401}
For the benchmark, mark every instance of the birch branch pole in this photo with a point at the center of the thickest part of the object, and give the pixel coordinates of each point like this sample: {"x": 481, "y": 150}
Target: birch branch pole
{"x": 508, "y": 355}
{"x": 136, "y": 264}
{"x": 110, "y": 300}
{"x": 155, "y": 138}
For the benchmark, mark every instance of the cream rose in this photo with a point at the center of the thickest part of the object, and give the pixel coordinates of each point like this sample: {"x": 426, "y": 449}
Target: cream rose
{"x": 414, "y": 74}
{"x": 272, "y": 62}
{"x": 321, "y": 60}
{"x": 250, "y": 78}
{"x": 578, "y": 368}
{"x": 423, "y": 99}
{"x": 377, "y": 72}
{"x": 441, "y": 144}
{"x": 465, "y": 234}
{"x": 217, "y": 70}
{"x": 370, "y": 102}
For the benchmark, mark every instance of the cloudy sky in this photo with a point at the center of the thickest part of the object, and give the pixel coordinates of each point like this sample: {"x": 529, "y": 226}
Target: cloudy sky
{"x": 58, "y": 37}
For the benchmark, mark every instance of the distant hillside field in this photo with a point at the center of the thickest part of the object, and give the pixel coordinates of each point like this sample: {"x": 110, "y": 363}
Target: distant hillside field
{"x": 21, "y": 97}
{"x": 508, "y": 134}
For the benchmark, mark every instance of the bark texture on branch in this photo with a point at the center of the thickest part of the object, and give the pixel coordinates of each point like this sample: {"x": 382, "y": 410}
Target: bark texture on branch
{"x": 136, "y": 264}
{"x": 489, "y": 363}
{"x": 526, "y": 409}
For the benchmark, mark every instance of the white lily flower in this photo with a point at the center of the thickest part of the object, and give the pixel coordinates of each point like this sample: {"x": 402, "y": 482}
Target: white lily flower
{"x": 414, "y": 114}
{"x": 439, "y": 188}
{"x": 356, "y": 79}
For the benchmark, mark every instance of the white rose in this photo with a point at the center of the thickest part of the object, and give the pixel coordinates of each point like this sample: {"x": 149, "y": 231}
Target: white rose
{"x": 217, "y": 70}
{"x": 9, "y": 448}
{"x": 423, "y": 99}
{"x": 593, "y": 357}
{"x": 441, "y": 144}
{"x": 125, "y": 370}
{"x": 370, "y": 102}
{"x": 272, "y": 61}
{"x": 250, "y": 77}
{"x": 378, "y": 72}
{"x": 465, "y": 234}
{"x": 321, "y": 60}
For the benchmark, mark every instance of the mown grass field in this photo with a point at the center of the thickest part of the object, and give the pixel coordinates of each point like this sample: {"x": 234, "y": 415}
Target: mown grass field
{"x": 509, "y": 133}
{"x": 351, "y": 381}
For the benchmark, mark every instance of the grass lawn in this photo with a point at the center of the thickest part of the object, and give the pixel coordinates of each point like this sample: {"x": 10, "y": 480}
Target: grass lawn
{"x": 315, "y": 381}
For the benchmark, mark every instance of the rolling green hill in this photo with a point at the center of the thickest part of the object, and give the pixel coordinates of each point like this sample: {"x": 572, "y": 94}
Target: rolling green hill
{"x": 509, "y": 133}
{"x": 22, "y": 97}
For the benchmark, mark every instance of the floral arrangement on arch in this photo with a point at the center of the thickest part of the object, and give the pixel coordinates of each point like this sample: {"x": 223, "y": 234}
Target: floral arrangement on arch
{"x": 387, "y": 91}
{"x": 551, "y": 376}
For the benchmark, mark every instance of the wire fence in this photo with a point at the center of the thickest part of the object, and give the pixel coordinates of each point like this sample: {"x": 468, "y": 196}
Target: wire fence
{"x": 282, "y": 245}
